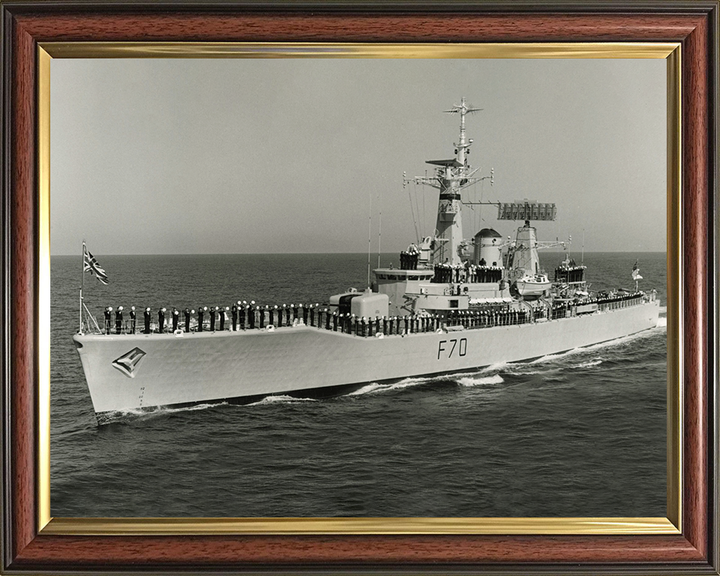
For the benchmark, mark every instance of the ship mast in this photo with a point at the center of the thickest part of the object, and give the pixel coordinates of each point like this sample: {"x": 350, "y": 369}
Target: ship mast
{"x": 462, "y": 144}
{"x": 451, "y": 176}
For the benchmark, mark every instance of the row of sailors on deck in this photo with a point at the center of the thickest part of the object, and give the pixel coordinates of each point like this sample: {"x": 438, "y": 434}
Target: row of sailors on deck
{"x": 251, "y": 316}
{"x": 409, "y": 258}
{"x": 241, "y": 315}
{"x": 445, "y": 273}
{"x": 412, "y": 324}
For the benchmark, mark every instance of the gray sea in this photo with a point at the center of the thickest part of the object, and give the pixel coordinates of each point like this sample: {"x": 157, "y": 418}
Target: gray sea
{"x": 576, "y": 434}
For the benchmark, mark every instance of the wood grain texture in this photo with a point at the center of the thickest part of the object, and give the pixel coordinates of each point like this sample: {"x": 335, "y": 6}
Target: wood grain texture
{"x": 214, "y": 552}
{"x": 687, "y": 553}
{"x": 695, "y": 206}
{"x": 22, "y": 291}
{"x": 319, "y": 27}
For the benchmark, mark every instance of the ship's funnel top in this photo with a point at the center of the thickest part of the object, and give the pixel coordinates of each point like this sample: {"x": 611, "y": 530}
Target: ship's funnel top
{"x": 488, "y": 233}
{"x": 487, "y": 248}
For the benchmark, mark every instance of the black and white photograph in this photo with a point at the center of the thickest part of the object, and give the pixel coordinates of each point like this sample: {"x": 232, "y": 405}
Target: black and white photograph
{"x": 358, "y": 287}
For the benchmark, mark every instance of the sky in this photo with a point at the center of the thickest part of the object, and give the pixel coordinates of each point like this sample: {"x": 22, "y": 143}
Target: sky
{"x": 211, "y": 156}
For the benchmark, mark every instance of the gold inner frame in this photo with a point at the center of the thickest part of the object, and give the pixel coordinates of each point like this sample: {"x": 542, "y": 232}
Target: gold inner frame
{"x": 671, "y": 52}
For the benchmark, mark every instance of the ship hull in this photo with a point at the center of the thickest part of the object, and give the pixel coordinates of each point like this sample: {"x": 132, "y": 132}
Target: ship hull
{"x": 129, "y": 372}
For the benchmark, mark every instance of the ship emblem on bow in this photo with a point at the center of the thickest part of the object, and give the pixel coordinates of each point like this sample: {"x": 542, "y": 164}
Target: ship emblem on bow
{"x": 127, "y": 363}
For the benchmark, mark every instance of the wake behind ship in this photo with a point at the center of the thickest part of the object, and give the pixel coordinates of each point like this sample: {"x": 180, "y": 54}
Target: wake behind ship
{"x": 455, "y": 304}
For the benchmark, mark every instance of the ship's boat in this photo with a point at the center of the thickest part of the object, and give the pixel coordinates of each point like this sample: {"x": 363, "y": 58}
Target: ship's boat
{"x": 454, "y": 305}
{"x": 532, "y": 286}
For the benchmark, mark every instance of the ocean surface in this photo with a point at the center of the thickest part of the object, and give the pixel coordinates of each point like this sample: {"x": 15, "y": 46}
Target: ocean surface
{"x": 577, "y": 434}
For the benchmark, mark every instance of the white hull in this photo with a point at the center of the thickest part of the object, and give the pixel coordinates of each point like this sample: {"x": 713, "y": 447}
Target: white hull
{"x": 207, "y": 367}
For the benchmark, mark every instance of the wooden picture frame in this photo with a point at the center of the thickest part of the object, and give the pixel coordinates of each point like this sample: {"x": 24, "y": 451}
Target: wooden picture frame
{"x": 29, "y": 547}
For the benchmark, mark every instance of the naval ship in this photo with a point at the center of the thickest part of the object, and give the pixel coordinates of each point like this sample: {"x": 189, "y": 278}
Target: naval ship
{"x": 456, "y": 304}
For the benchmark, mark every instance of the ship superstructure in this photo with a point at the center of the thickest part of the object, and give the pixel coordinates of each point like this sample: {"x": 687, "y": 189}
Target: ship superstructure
{"x": 469, "y": 275}
{"x": 454, "y": 304}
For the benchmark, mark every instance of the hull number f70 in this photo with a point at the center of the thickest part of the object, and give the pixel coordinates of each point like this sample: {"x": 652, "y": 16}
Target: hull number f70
{"x": 450, "y": 348}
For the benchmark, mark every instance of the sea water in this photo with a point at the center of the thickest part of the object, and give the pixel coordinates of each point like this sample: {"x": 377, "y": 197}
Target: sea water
{"x": 576, "y": 434}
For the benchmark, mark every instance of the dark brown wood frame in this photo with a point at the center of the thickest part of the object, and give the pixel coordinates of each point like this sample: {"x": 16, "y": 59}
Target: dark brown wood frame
{"x": 694, "y": 24}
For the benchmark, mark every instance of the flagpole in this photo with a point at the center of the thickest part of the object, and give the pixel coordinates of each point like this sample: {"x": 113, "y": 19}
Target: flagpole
{"x": 82, "y": 285}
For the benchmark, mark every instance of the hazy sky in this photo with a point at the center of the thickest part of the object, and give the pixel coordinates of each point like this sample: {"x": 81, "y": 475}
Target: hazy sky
{"x": 287, "y": 155}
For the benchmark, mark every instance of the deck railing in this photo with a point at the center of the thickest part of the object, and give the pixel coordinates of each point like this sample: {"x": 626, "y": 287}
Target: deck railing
{"x": 323, "y": 318}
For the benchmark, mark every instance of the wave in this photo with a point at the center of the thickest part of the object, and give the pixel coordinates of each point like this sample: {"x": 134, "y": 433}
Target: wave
{"x": 497, "y": 367}
{"x": 589, "y": 364}
{"x": 552, "y": 357}
{"x": 376, "y": 388}
{"x": 409, "y": 383}
{"x": 155, "y": 411}
{"x": 468, "y": 379}
{"x": 524, "y": 369}
{"x": 484, "y": 380}
{"x": 192, "y": 408}
{"x": 281, "y": 399}
{"x": 521, "y": 371}
{"x": 367, "y": 389}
